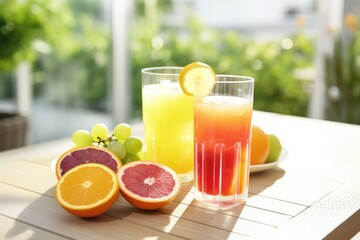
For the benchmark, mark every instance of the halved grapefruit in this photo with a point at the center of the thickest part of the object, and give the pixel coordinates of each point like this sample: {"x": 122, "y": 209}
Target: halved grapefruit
{"x": 148, "y": 185}
{"x": 88, "y": 154}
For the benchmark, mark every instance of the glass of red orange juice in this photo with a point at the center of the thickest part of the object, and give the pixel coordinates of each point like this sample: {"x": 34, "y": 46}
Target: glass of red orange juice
{"x": 222, "y": 131}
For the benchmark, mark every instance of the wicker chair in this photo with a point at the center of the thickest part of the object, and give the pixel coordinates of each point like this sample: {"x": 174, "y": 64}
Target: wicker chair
{"x": 12, "y": 130}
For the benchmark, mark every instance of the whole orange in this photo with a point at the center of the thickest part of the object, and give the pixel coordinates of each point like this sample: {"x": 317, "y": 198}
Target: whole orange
{"x": 260, "y": 146}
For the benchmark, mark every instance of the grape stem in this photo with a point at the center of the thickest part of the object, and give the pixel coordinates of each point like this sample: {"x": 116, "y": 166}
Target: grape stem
{"x": 102, "y": 142}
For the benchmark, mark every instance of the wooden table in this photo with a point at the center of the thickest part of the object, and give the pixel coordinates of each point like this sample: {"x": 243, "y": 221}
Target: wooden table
{"x": 313, "y": 194}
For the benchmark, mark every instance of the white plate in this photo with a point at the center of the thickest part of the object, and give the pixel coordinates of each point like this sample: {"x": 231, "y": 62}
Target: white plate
{"x": 253, "y": 168}
{"x": 266, "y": 166}
{"x": 53, "y": 165}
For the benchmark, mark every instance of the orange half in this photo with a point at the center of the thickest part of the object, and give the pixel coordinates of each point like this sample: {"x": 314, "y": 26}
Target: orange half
{"x": 88, "y": 190}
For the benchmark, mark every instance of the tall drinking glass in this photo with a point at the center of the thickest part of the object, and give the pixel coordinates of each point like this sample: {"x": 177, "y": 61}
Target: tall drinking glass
{"x": 168, "y": 118}
{"x": 222, "y": 141}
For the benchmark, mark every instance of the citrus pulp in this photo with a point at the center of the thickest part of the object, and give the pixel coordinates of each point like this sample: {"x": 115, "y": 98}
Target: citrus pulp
{"x": 88, "y": 190}
{"x": 148, "y": 185}
{"x": 88, "y": 154}
{"x": 194, "y": 72}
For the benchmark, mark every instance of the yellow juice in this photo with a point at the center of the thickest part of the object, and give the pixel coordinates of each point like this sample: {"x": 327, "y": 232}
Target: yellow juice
{"x": 169, "y": 132}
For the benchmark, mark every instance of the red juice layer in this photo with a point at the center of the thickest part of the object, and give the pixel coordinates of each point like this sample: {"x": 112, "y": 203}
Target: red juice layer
{"x": 222, "y": 147}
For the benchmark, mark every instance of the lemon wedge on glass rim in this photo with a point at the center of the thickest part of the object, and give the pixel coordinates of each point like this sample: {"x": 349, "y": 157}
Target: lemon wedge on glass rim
{"x": 194, "y": 72}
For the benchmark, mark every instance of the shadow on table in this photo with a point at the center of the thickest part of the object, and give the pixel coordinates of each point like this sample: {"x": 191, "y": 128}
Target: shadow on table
{"x": 195, "y": 221}
{"x": 183, "y": 218}
{"x": 162, "y": 220}
{"x": 186, "y": 218}
{"x": 45, "y": 213}
{"x": 260, "y": 181}
{"x": 44, "y": 218}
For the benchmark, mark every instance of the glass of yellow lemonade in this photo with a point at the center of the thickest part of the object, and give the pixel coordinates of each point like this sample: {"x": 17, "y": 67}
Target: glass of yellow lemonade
{"x": 168, "y": 120}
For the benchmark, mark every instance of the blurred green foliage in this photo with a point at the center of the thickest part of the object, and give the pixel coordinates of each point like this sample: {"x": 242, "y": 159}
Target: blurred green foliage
{"x": 272, "y": 63}
{"x": 22, "y": 22}
{"x": 80, "y": 75}
{"x": 70, "y": 49}
{"x": 67, "y": 44}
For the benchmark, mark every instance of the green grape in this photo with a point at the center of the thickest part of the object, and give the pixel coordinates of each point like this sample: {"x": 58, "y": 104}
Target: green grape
{"x": 130, "y": 157}
{"x": 122, "y": 131}
{"x": 82, "y": 138}
{"x": 99, "y": 132}
{"x": 133, "y": 144}
{"x": 142, "y": 155}
{"x": 117, "y": 148}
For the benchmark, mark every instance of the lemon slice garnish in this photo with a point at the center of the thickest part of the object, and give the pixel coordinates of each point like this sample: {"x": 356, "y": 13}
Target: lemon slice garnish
{"x": 194, "y": 72}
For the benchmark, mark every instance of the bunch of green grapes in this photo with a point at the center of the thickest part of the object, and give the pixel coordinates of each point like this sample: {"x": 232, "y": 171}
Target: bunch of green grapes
{"x": 127, "y": 147}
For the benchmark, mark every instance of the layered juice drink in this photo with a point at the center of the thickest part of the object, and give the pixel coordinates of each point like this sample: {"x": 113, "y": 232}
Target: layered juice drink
{"x": 169, "y": 130}
{"x": 222, "y": 149}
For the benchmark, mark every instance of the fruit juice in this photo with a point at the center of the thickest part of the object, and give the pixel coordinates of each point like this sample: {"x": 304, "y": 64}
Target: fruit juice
{"x": 169, "y": 131}
{"x": 222, "y": 146}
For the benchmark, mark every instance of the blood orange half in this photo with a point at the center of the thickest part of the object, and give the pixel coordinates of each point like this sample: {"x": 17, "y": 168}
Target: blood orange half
{"x": 88, "y": 154}
{"x": 148, "y": 185}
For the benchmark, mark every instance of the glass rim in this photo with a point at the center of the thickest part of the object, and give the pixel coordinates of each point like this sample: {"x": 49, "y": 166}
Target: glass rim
{"x": 238, "y": 78}
{"x": 152, "y": 70}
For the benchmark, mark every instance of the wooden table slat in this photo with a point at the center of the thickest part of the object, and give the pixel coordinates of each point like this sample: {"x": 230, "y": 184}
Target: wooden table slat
{"x": 15, "y": 229}
{"x": 319, "y": 219}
